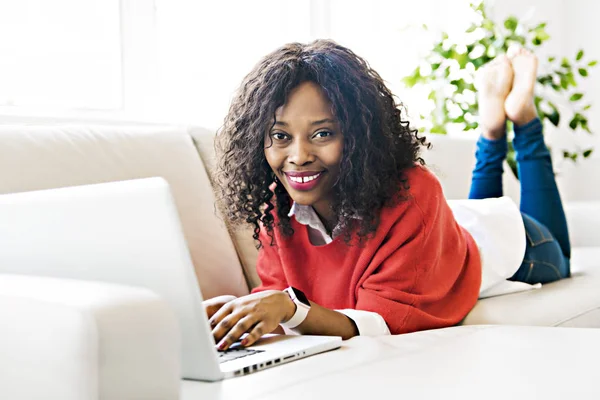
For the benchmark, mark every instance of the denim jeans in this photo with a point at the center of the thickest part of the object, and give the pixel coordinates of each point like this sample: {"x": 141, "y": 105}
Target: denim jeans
{"x": 548, "y": 250}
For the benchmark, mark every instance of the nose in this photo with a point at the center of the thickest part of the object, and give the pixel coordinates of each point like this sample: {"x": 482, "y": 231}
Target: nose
{"x": 301, "y": 153}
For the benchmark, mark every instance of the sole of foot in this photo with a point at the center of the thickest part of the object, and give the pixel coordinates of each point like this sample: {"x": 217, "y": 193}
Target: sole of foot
{"x": 494, "y": 83}
{"x": 519, "y": 105}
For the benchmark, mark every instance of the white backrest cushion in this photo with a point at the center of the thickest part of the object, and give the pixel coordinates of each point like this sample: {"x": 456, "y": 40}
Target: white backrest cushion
{"x": 452, "y": 159}
{"x": 242, "y": 236}
{"x": 42, "y": 157}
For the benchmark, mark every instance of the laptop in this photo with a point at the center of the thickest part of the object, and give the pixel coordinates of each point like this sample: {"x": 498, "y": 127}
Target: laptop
{"x": 129, "y": 233}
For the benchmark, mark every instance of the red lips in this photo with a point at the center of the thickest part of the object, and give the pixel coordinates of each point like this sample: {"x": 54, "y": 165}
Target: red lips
{"x": 298, "y": 181}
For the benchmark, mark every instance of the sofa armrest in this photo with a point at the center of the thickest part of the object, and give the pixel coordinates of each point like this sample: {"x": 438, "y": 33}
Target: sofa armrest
{"x": 78, "y": 340}
{"x": 583, "y": 218}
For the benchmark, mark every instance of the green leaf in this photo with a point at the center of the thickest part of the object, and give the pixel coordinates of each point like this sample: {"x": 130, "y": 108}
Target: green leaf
{"x": 578, "y": 120}
{"x": 409, "y": 81}
{"x": 571, "y": 156}
{"x": 540, "y": 37}
{"x": 472, "y": 125}
{"x": 565, "y": 63}
{"x": 574, "y": 122}
{"x": 488, "y": 25}
{"x": 511, "y": 23}
{"x": 584, "y": 125}
{"x": 576, "y": 97}
{"x": 579, "y": 55}
{"x": 564, "y": 82}
{"x": 583, "y": 72}
{"x": 587, "y": 107}
{"x": 587, "y": 153}
{"x": 554, "y": 117}
{"x": 438, "y": 129}
{"x": 545, "y": 80}
{"x": 592, "y": 63}
{"x": 551, "y": 59}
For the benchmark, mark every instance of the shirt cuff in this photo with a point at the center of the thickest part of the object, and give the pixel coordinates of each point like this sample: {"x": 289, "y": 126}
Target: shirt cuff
{"x": 367, "y": 322}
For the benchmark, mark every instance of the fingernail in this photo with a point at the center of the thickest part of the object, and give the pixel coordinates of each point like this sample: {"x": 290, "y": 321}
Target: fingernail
{"x": 244, "y": 342}
{"x": 222, "y": 346}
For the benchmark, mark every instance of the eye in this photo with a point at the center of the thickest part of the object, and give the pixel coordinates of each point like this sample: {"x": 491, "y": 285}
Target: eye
{"x": 323, "y": 134}
{"x": 279, "y": 136}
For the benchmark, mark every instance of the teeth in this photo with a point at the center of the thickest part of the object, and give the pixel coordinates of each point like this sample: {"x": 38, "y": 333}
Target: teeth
{"x": 305, "y": 179}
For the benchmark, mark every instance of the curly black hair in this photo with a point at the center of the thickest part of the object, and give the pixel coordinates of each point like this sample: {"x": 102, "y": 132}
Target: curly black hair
{"x": 379, "y": 146}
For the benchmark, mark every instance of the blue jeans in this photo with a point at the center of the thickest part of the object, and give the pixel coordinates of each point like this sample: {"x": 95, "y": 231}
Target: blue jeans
{"x": 548, "y": 251}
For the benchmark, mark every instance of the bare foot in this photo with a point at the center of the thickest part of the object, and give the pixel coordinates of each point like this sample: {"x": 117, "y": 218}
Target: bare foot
{"x": 494, "y": 82}
{"x": 519, "y": 105}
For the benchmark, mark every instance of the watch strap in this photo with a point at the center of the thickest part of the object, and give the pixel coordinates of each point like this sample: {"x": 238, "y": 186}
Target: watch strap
{"x": 301, "y": 310}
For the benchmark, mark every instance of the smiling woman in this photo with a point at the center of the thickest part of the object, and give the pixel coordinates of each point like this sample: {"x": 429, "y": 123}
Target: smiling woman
{"x": 315, "y": 155}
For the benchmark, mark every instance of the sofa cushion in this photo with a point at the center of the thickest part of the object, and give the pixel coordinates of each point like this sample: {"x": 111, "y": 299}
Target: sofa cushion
{"x": 242, "y": 236}
{"x": 43, "y": 157}
{"x": 572, "y": 302}
{"x": 74, "y": 340}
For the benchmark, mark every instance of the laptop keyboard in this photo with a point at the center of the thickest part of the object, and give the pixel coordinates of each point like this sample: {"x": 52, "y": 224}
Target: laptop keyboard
{"x": 235, "y": 353}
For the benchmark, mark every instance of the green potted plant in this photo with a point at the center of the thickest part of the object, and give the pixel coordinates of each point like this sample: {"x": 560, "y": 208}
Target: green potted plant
{"x": 451, "y": 65}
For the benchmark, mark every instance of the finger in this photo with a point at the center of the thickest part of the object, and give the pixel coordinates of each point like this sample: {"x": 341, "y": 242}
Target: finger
{"x": 256, "y": 333}
{"x": 244, "y": 325}
{"x": 222, "y": 313}
{"x": 212, "y": 309}
{"x": 226, "y": 324}
{"x": 223, "y": 310}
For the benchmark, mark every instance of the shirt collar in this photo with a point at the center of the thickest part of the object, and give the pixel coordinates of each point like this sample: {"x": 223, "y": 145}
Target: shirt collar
{"x": 306, "y": 215}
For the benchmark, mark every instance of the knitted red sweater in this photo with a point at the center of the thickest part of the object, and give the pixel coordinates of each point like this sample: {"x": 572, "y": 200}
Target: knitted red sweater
{"x": 420, "y": 271}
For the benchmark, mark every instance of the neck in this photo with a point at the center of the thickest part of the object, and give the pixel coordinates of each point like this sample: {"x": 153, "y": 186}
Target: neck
{"x": 326, "y": 215}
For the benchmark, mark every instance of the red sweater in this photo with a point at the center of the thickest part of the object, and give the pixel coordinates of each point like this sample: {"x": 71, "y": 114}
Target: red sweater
{"x": 420, "y": 271}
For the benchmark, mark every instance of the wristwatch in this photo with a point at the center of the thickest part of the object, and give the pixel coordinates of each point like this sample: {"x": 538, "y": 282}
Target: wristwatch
{"x": 302, "y": 307}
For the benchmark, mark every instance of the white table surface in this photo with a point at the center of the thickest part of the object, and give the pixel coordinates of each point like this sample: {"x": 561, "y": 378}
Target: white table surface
{"x": 470, "y": 362}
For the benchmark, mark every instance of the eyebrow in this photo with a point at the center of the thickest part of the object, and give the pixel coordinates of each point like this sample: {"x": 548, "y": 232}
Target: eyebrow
{"x": 321, "y": 121}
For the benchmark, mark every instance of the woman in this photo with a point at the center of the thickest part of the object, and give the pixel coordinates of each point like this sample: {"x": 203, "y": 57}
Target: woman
{"x": 355, "y": 234}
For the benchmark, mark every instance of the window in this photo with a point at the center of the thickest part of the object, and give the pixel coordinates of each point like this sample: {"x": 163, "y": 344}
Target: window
{"x": 60, "y": 54}
{"x": 181, "y": 60}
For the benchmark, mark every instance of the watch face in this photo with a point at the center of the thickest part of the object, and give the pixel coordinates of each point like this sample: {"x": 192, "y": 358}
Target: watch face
{"x": 300, "y": 296}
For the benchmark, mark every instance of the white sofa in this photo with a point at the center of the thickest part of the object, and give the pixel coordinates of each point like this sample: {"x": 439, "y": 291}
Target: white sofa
{"x": 54, "y": 155}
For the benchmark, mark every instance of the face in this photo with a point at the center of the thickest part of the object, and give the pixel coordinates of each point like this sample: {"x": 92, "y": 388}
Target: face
{"x": 304, "y": 148}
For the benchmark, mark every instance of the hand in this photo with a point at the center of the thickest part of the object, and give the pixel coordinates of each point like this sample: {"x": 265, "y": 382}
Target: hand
{"x": 211, "y": 306}
{"x": 256, "y": 314}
